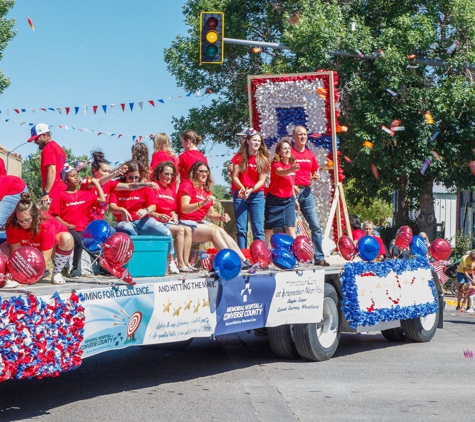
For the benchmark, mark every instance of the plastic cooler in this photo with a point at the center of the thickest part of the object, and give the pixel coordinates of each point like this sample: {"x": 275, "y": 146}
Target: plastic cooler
{"x": 150, "y": 256}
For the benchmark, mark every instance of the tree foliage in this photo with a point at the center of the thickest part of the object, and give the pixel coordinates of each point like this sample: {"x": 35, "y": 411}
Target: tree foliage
{"x": 6, "y": 34}
{"x": 313, "y": 30}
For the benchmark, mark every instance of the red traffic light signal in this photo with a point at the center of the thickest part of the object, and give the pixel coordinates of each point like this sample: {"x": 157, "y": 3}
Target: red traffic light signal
{"x": 212, "y": 37}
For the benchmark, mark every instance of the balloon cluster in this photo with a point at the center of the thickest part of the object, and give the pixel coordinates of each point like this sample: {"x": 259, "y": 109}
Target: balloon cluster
{"x": 367, "y": 248}
{"x": 115, "y": 251}
{"x": 25, "y": 265}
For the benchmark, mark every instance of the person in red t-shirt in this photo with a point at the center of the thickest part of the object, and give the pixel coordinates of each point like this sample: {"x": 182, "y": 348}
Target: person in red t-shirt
{"x": 11, "y": 188}
{"x": 163, "y": 151}
{"x": 250, "y": 167}
{"x": 280, "y": 201}
{"x": 165, "y": 175}
{"x": 132, "y": 210}
{"x": 368, "y": 231}
{"x": 53, "y": 159}
{"x": 356, "y": 231}
{"x": 195, "y": 202}
{"x": 189, "y": 141}
{"x": 73, "y": 208}
{"x": 141, "y": 155}
{"x": 28, "y": 226}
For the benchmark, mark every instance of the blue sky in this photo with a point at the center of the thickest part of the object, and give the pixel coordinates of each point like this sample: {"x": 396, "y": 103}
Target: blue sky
{"x": 94, "y": 53}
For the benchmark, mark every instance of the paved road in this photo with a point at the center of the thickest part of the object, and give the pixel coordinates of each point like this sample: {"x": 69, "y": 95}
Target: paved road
{"x": 238, "y": 379}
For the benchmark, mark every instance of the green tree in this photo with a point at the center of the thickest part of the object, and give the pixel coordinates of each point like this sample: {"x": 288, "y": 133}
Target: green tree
{"x": 221, "y": 192}
{"x": 314, "y": 29}
{"x": 31, "y": 170}
{"x": 6, "y": 34}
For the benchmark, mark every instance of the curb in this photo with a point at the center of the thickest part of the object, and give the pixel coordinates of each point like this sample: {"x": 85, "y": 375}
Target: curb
{"x": 450, "y": 302}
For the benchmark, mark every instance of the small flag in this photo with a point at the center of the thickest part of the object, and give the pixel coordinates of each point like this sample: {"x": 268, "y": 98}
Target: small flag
{"x": 30, "y": 22}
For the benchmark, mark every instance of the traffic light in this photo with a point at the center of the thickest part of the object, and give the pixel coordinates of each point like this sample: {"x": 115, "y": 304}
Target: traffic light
{"x": 212, "y": 37}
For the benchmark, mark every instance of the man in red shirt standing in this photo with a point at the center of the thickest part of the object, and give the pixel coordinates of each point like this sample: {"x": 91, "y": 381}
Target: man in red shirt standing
{"x": 303, "y": 178}
{"x": 53, "y": 159}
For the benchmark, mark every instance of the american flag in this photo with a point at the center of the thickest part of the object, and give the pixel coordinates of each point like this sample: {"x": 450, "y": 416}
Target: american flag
{"x": 439, "y": 267}
{"x": 301, "y": 229}
{"x": 206, "y": 260}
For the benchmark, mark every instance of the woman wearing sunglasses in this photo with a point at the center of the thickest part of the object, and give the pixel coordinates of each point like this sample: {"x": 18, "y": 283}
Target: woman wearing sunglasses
{"x": 195, "y": 202}
{"x": 165, "y": 176}
{"x": 250, "y": 168}
{"x": 28, "y": 226}
{"x": 132, "y": 210}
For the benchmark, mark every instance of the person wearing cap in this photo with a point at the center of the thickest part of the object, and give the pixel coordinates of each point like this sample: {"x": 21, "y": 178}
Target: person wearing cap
{"x": 307, "y": 172}
{"x": 53, "y": 159}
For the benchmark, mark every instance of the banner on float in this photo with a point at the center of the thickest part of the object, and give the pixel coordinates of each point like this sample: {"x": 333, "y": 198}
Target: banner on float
{"x": 243, "y": 303}
{"x": 119, "y": 317}
{"x": 298, "y": 298}
{"x": 183, "y": 310}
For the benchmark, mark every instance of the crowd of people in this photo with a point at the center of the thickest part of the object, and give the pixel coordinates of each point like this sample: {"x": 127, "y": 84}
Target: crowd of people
{"x": 171, "y": 195}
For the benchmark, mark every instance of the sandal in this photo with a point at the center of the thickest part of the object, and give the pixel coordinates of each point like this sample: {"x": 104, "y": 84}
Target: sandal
{"x": 57, "y": 279}
{"x": 184, "y": 269}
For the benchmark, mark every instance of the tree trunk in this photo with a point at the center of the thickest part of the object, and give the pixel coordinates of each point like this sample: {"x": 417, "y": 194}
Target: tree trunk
{"x": 401, "y": 214}
{"x": 426, "y": 220}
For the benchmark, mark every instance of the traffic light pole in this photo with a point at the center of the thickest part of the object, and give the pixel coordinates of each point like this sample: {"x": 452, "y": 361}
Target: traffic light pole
{"x": 277, "y": 46}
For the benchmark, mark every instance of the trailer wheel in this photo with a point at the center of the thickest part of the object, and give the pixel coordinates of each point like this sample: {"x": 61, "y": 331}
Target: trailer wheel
{"x": 394, "y": 334}
{"x": 281, "y": 342}
{"x": 421, "y": 329}
{"x": 177, "y": 345}
{"x": 319, "y": 341}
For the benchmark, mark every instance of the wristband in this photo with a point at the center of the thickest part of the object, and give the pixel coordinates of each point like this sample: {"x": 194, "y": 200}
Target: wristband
{"x": 148, "y": 211}
{"x": 198, "y": 205}
{"x": 45, "y": 192}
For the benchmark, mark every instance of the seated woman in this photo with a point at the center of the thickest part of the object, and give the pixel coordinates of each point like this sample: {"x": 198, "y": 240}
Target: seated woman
{"x": 165, "y": 176}
{"x": 195, "y": 202}
{"x": 28, "y": 226}
{"x": 11, "y": 188}
{"x": 368, "y": 228}
{"x": 132, "y": 210}
{"x": 280, "y": 201}
{"x": 74, "y": 209}
{"x": 356, "y": 228}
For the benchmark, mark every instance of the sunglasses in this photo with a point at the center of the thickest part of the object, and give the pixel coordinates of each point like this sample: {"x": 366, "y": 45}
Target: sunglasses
{"x": 25, "y": 221}
{"x": 203, "y": 171}
{"x": 133, "y": 177}
{"x": 168, "y": 174}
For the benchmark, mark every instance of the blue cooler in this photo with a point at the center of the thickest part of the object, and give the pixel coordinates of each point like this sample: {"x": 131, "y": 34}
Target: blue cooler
{"x": 150, "y": 256}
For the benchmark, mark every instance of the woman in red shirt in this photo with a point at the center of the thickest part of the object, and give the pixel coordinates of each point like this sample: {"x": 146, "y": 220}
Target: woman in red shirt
{"x": 250, "y": 168}
{"x": 132, "y": 210}
{"x": 195, "y": 202}
{"x": 165, "y": 175}
{"x": 28, "y": 226}
{"x": 189, "y": 141}
{"x": 11, "y": 188}
{"x": 163, "y": 151}
{"x": 140, "y": 154}
{"x": 280, "y": 201}
{"x": 73, "y": 208}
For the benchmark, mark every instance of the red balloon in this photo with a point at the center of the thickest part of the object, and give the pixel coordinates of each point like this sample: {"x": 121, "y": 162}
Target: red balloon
{"x": 3, "y": 269}
{"x": 119, "y": 248}
{"x": 403, "y": 237}
{"x": 260, "y": 253}
{"x": 440, "y": 249}
{"x": 26, "y": 265}
{"x": 303, "y": 249}
{"x": 117, "y": 271}
{"x": 347, "y": 248}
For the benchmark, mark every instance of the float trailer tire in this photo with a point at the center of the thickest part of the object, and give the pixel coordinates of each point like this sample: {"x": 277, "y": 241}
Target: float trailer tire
{"x": 422, "y": 329}
{"x": 281, "y": 342}
{"x": 318, "y": 342}
{"x": 394, "y": 334}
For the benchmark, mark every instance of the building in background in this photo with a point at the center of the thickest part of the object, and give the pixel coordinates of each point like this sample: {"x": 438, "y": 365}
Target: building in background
{"x": 12, "y": 160}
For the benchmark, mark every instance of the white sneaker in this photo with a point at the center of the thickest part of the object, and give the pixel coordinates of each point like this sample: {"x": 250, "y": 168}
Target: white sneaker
{"x": 10, "y": 284}
{"x": 471, "y": 310}
{"x": 57, "y": 279}
{"x": 172, "y": 268}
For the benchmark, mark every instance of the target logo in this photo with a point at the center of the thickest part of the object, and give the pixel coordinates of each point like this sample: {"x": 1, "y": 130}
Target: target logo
{"x": 132, "y": 327}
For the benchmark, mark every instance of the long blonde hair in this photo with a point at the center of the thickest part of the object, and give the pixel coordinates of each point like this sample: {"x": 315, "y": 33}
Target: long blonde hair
{"x": 140, "y": 154}
{"x": 262, "y": 156}
{"x": 161, "y": 142}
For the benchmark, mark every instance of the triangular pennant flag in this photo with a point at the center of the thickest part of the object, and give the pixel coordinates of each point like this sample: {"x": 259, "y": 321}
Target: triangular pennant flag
{"x": 80, "y": 130}
{"x": 51, "y": 108}
{"x": 76, "y": 109}
{"x": 87, "y": 130}
{"x": 181, "y": 96}
{"x": 66, "y": 127}
{"x": 6, "y": 111}
{"x": 152, "y": 103}
{"x": 140, "y": 138}
{"x": 161, "y": 101}
{"x": 99, "y": 133}
{"x": 6, "y": 120}
{"x": 85, "y": 109}
{"x": 59, "y": 110}
{"x": 17, "y": 111}
{"x": 131, "y": 106}
{"x": 120, "y": 134}
{"x": 43, "y": 109}
{"x": 67, "y": 110}
{"x": 112, "y": 108}
{"x": 94, "y": 108}
{"x": 23, "y": 110}
{"x": 33, "y": 110}
{"x": 22, "y": 123}
{"x": 104, "y": 107}
{"x": 112, "y": 134}
{"x": 73, "y": 128}
{"x": 188, "y": 94}
{"x": 123, "y": 106}
{"x": 60, "y": 126}
{"x": 133, "y": 138}
{"x": 140, "y": 105}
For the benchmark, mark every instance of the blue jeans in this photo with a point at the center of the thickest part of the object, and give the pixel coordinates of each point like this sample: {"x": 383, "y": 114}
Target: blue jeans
{"x": 8, "y": 205}
{"x": 254, "y": 206}
{"x": 146, "y": 227}
{"x": 310, "y": 213}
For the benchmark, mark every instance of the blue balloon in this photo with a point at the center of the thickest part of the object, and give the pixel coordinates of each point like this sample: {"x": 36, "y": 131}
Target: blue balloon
{"x": 419, "y": 246}
{"x": 96, "y": 233}
{"x": 368, "y": 248}
{"x": 281, "y": 240}
{"x": 227, "y": 264}
{"x": 283, "y": 258}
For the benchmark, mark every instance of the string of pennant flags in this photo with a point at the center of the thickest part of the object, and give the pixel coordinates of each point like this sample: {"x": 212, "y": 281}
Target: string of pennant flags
{"x": 104, "y": 107}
